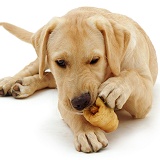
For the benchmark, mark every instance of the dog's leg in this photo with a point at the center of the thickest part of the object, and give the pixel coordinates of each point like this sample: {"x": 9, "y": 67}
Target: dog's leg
{"x": 87, "y": 138}
{"x": 28, "y": 85}
{"x": 6, "y": 83}
{"x": 131, "y": 91}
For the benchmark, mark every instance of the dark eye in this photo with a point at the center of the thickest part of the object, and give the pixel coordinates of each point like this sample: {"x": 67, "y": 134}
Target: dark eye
{"x": 61, "y": 63}
{"x": 94, "y": 60}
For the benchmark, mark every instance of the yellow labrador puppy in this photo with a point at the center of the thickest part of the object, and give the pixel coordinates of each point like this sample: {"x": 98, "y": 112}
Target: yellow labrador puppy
{"x": 91, "y": 52}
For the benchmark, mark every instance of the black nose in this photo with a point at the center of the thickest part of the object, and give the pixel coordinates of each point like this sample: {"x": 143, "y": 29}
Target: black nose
{"x": 81, "y": 102}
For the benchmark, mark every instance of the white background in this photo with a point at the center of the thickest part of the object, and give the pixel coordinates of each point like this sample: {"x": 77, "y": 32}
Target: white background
{"x": 32, "y": 129}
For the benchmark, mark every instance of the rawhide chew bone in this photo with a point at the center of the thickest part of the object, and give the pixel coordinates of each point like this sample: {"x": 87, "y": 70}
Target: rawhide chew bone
{"x": 102, "y": 116}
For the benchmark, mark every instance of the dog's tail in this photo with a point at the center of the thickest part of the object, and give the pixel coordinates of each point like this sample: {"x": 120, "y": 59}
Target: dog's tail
{"x": 18, "y": 32}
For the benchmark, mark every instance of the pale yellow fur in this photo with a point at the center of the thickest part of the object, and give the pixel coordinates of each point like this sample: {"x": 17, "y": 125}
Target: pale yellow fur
{"x": 124, "y": 75}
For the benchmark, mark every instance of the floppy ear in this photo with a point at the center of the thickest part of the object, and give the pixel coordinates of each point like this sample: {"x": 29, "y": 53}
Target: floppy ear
{"x": 117, "y": 41}
{"x": 39, "y": 41}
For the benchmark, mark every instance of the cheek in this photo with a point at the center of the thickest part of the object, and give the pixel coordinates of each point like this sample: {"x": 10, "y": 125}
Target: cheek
{"x": 101, "y": 71}
{"x": 57, "y": 76}
{"x": 62, "y": 81}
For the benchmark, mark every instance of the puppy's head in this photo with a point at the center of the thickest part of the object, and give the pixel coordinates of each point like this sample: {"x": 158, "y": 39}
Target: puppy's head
{"x": 80, "y": 51}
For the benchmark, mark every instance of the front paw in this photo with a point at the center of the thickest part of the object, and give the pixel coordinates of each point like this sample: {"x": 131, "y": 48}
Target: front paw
{"x": 90, "y": 140}
{"x": 5, "y": 85}
{"x": 115, "y": 92}
{"x": 23, "y": 88}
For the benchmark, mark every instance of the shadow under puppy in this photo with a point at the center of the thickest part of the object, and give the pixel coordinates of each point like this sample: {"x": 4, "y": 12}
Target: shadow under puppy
{"x": 91, "y": 52}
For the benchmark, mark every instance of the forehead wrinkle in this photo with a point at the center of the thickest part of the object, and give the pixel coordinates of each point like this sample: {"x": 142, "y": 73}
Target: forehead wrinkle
{"x": 78, "y": 29}
{"x": 76, "y": 37}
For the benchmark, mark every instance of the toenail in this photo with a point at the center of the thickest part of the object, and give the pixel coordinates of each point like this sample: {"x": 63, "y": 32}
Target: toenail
{"x": 16, "y": 88}
{"x": 1, "y": 92}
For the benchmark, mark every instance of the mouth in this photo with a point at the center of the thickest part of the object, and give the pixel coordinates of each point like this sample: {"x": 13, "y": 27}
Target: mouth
{"x": 79, "y": 112}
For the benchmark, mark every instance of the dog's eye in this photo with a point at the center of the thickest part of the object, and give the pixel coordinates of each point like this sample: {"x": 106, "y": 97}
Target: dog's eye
{"x": 94, "y": 60}
{"x": 61, "y": 63}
